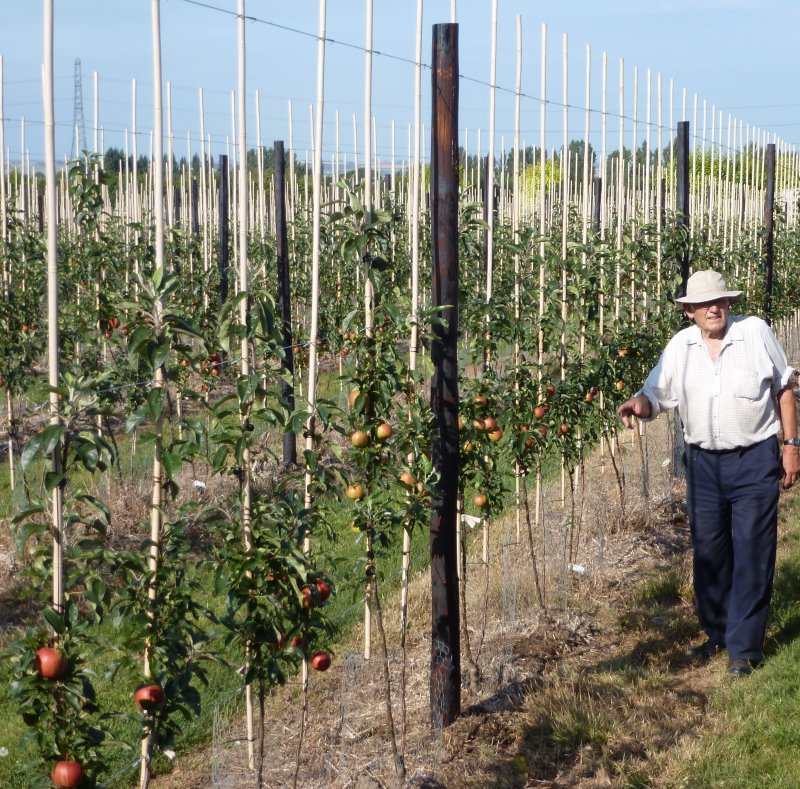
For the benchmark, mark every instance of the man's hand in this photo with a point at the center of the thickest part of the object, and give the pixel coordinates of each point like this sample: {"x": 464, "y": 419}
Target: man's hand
{"x": 790, "y": 461}
{"x": 639, "y": 407}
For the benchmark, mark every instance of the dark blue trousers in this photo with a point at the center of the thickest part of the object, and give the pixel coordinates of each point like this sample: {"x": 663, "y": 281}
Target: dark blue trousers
{"x": 732, "y": 499}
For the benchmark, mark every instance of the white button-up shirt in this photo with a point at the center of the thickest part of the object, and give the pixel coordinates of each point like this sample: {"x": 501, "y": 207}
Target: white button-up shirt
{"x": 725, "y": 404}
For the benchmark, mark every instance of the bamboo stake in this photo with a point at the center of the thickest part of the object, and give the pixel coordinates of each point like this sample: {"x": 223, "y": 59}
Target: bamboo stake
{"x": 315, "y": 257}
{"x": 539, "y": 513}
{"x": 693, "y": 183}
{"x": 659, "y": 205}
{"x": 490, "y": 208}
{"x": 169, "y": 183}
{"x": 244, "y": 285}
{"x": 292, "y": 176}
{"x": 490, "y": 172}
{"x": 148, "y": 740}
{"x": 585, "y": 182}
{"x": 620, "y": 187}
{"x": 634, "y": 142}
{"x": 564, "y": 228}
{"x": 412, "y": 358}
{"x": 517, "y": 272}
{"x": 262, "y": 209}
{"x": 672, "y": 131}
{"x": 6, "y": 271}
{"x": 369, "y": 296}
{"x": 52, "y": 304}
{"x": 647, "y": 159}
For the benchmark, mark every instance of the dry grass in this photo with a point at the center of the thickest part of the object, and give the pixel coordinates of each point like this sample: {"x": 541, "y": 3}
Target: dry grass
{"x": 595, "y": 692}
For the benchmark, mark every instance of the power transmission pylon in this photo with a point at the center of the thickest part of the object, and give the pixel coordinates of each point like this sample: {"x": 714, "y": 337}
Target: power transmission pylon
{"x": 78, "y": 123}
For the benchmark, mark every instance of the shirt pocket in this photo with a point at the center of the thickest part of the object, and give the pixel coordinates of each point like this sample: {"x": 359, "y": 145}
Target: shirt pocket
{"x": 748, "y": 385}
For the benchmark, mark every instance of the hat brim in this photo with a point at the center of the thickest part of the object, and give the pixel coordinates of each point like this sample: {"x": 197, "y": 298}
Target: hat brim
{"x": 733, "y": 295}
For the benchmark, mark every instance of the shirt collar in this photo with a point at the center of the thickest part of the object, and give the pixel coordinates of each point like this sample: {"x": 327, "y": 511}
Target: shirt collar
{"x": 732, "y": 333}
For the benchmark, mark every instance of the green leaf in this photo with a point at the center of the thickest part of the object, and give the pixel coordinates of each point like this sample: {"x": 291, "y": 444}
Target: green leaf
{"x": 159, "y": 354}
{"x": 53, "y": 480}
{"x": 55, "y": 620}
{"x": 158, "y": 277}
{"x": 25, "y": 531}
{"x": 134, "y": 420}
{"x": 172, "y": 464}
{"x": 51, "y": 435}
{"x": 139, "y": 337}
{"x": 96, "y": 504}
{"x": 155, "y": 401}
{"x": 31, "y": 450}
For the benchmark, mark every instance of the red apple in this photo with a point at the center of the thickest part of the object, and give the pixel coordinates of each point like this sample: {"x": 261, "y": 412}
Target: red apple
{"x": 489, "y": 423}
{"x": 407, "y": 478}
{"x": 495, "y": 435}
{"x": 308, "y": 597}
{"x": 296, "y": 642}
{"x": 323, "y": 589}
{"x": 66, "y": 774}
{"x": 383, "y": 431}
{"x": 480, "y": 500}
{"x": 359, "y": 439}
{"x": 149, "y": 697}
{"x": 50, "y": 663}
{"x": 320, "y": 661}
{"x": 539, "y": 411}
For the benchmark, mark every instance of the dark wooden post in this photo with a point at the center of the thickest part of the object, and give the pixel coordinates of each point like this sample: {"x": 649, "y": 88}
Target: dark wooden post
{"x": 598, "y": 204}
{"x": 195, "y": 208}
{"x": 284, "y": 296}
{"x": 176, "y": 205}
{"x": 683, "y": 196}
{"x": 769, "y": 232}
{"x": 445, "y": 690}
{"x": 224, "y": 229}
{"x": 663, "y": 188}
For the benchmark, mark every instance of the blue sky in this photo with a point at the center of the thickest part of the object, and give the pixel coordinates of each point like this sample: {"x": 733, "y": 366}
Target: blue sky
{"x": 739, "y": 56}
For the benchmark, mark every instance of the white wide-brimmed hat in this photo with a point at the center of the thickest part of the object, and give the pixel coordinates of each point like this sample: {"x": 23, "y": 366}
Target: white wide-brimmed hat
{"x": 705, "y": 286}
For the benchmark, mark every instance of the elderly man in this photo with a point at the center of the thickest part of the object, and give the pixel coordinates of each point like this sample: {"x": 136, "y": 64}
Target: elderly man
{"x": 730, "y": 381}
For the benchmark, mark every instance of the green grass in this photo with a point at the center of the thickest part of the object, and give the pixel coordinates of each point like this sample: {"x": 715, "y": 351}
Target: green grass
{"x": 756, "y": 736}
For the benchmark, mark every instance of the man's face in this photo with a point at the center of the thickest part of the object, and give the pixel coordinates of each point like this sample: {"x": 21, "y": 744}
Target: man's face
{"x": 710, "y": 316}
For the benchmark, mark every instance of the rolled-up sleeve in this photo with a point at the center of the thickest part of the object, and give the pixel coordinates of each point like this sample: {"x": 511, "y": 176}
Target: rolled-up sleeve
{"x": 659, "y": 387}
{"x": 781, "y": 370}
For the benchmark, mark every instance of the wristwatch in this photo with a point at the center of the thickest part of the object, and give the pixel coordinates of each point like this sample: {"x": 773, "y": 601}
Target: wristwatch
{"x": 792, "y": 442}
